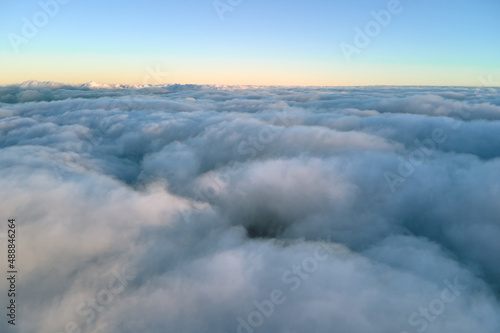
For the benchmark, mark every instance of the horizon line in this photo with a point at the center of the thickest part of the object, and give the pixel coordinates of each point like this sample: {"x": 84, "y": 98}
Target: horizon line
{"x": 101, "y": 85}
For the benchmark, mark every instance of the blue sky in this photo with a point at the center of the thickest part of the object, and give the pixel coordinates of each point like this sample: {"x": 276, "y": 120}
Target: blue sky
{"x": 441, "y": 42}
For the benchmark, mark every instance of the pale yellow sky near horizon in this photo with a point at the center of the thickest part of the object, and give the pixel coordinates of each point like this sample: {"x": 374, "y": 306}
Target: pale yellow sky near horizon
{"x": 76, "y": 69}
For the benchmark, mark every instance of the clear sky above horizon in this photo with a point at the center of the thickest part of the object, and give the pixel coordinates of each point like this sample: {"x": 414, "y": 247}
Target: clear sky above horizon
{"x": 439, "y": 42}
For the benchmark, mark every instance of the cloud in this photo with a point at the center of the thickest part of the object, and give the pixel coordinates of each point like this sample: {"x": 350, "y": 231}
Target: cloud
{"x": 253, "y": 209}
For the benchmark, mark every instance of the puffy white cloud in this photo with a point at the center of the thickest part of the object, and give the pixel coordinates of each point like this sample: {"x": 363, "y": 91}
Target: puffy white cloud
{"x": 251, "y": 209}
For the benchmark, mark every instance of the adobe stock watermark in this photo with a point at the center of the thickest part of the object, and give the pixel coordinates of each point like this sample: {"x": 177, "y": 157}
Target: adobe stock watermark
{"x": 363, "y": 37}
{"x": 223, "y": 6}
{"x": 6, "y": 112}
{"x": 158, "y": 75}
{"x": 426, "y": 315}
{"x": 30, "y": 28}
{"x": 89, "y": 141}
{"x": 489, "y": 82}
{"x": 251, "y": 146}
{"x": 293, "y": 279}
{"x": 89, "y": 310}
{"x": 92, "y": 138}
{"x": 419, "y": 155}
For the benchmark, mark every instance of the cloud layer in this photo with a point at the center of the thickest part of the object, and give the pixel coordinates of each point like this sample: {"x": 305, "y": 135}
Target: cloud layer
{"x": 249, "y": 209}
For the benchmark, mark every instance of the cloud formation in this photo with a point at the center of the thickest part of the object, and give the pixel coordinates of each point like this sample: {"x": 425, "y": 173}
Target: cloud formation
{"x": 253, "y": 209}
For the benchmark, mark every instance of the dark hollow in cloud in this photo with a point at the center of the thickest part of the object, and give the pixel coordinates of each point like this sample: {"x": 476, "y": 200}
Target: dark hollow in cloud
{"x": 253, "y": 209}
